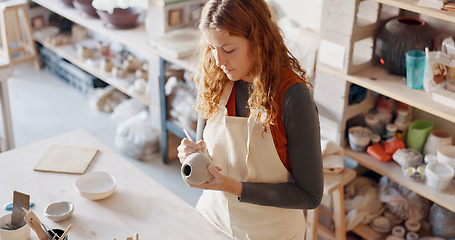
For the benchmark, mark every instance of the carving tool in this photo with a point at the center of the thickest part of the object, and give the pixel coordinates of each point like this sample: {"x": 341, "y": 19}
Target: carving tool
{"x": 66, "y": 232}
{"x": 187, "y": 135}
{"x": 34, "y": 223}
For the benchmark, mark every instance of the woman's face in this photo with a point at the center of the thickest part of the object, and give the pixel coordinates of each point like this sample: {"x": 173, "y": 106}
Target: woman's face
{"x": 232, "y": 54}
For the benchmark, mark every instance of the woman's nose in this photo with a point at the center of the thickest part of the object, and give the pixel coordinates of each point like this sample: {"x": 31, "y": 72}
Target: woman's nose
{"x": 220, "y": 59}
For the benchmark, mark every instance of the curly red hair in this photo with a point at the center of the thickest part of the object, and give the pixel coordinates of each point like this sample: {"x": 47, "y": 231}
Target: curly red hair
{"x": 252, "y": 20}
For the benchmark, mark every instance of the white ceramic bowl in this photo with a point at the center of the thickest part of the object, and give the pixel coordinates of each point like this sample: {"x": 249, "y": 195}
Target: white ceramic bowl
{"x": 59, "y": 211}
{"x": 96, "y": 185}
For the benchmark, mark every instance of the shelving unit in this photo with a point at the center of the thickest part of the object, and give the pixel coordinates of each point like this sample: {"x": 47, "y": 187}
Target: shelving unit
{"x": 377, "y": 79}
{"x": 136, "y": 39}
{"x": 166, "y": 124}
{"x": 69, "y": 53}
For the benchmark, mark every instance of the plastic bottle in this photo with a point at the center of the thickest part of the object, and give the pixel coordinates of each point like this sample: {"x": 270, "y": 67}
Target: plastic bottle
{"x": 402, "y": 121}
{"x": 391, "y": 130}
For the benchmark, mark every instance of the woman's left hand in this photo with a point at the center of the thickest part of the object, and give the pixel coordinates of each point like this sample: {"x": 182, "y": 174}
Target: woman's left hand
{"x": 220, "y": 182}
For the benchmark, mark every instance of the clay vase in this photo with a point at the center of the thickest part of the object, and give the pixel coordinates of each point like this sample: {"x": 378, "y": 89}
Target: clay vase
{"x": 195, "y": 168}
{"x": 398, "y": 36}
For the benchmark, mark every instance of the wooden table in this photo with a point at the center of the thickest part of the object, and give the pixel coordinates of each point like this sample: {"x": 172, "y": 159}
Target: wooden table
{"x": 138, "y": 205}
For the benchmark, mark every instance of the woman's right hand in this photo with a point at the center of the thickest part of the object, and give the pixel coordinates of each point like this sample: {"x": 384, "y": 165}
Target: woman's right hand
{"x": 188, "y": 147}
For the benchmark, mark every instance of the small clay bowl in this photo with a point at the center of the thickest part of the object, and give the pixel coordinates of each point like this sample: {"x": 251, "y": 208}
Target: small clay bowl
{"x": 59, "y": 211}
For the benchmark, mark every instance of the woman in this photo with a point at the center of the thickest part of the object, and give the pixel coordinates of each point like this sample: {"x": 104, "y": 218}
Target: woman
{"x": 262, "y": 129}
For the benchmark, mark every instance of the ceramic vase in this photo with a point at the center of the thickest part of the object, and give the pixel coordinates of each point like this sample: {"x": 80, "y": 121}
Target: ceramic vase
{"x": 195, "y": 168}
{"x": 398, "y": 36}
{"x": 435, "y": 140}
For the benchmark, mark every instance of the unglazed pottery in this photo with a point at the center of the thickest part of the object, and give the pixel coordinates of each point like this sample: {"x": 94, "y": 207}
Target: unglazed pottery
{"x": 195, "y": 168}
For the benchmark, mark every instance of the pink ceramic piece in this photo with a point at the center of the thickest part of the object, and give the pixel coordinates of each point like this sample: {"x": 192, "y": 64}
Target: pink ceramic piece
{"x": 85, "y": 7}
{"x": 120, "y": 18}
{"x": 195, "y": 168}
{"x": 68, "y": 3}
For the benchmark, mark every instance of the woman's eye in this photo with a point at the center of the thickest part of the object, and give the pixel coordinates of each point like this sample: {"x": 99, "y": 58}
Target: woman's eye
{"x": 230, "y": 51}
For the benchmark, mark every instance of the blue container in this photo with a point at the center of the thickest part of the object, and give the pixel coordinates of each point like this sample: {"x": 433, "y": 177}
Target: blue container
{"x": 415, "y": 68}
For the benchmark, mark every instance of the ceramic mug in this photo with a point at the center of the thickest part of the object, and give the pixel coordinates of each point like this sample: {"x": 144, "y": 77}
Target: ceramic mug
{"x": 446, "y": 154}
{"x": 435, "y": 140}
{"x": 418, "y": 132}
{"x": 21, "y": 233}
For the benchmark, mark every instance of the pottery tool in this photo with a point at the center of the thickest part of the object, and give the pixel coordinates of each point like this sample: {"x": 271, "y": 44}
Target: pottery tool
{"x": 188, "y": 135}
{"x": 35, "y": 224}
{"x": 136, "y": 237}
{"x": 20, "y": 201}
{"x": 66, "y": 232}
{"x": 48, "y": 231}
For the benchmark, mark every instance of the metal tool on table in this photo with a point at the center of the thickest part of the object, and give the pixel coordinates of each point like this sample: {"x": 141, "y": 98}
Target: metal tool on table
{"x": 20, "y": 201}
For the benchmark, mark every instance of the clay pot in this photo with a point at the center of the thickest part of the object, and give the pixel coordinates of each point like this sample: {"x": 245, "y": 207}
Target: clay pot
{"x": 195, "y": 168}
{"x": 398, "y": 36}
{"x": 120, "y": 18}
{"x": 85, "y": 6}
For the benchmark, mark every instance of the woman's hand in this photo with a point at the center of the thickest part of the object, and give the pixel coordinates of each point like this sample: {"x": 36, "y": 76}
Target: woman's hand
{"x": 188, "y": 147}
{"x": 220, "y": 182}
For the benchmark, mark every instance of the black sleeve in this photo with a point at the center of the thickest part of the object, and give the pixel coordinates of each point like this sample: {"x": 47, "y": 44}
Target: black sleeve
{"x": 301, "y": 121}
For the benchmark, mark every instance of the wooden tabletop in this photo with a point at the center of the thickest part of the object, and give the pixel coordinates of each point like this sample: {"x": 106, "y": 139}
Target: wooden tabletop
{"x": 139, "y": 204}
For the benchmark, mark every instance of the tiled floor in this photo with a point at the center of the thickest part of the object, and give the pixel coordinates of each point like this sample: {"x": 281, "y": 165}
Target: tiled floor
{"x": 43, "y": 106}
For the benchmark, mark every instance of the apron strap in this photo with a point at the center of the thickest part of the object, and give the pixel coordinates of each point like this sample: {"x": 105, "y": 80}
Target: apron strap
{"x": 226, "y": 93}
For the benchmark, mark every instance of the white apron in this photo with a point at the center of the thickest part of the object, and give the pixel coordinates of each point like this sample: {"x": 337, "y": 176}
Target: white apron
{"x": 239, "y": 147}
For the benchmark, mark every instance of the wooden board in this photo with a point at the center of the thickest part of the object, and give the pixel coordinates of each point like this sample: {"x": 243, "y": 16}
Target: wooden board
{"x": 66, "y": 159}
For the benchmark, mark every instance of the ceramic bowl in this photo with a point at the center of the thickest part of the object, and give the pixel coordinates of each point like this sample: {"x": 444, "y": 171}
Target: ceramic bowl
{"x": 59, "y": 211}
{"x": 68, "y": 3}
{"x": 119, "y": 18}
{"x": 96, "y": 185}
{"x": 381, "y": 225}
{"x": 85, "y": 7}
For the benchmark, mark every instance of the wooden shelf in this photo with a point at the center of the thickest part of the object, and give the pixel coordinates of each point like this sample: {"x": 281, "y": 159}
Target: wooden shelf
{"x": 69, "y": 53}
{"x": 377, "y": 79}
{"x": 411, "y": 5}
{"x": 136, "y": 38}
{"x": 393, "y": 171}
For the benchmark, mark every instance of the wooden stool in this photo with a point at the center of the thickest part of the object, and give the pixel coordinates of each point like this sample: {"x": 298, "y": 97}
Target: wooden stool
{"x": 5, "y": 72}
{"x": 334, "y": 187}
{"x": 18, "y": 17}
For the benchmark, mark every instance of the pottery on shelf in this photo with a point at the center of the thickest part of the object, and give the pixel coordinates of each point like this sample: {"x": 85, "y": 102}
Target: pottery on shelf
{"x": 85, "y": 7}
{"x": 195, "y": 168}
{"x": 120, "y": 18}
{"x": 398, "y": 36}
{"x": 68, "y": 3}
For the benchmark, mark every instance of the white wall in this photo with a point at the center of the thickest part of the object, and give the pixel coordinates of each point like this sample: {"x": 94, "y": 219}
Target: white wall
{"x": 307, "y": 13}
